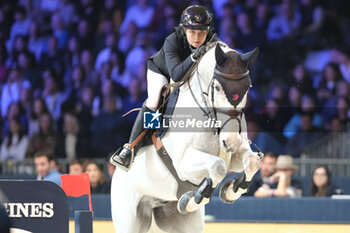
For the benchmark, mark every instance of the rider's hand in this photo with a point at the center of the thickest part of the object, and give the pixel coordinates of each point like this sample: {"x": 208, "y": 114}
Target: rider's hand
{"x": 199, "y": 52}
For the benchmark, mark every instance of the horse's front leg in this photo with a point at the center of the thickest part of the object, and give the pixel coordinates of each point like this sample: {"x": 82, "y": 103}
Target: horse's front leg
{"x": 199, "y": 167}
{"x": 232, "y": 190}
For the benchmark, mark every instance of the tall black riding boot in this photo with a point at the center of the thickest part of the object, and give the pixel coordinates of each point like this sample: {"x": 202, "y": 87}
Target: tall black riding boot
{"x": 123, "y": 155}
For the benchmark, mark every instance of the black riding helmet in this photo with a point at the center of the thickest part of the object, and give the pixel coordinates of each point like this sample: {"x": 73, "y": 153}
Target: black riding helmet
{"x": 197, "y": 17}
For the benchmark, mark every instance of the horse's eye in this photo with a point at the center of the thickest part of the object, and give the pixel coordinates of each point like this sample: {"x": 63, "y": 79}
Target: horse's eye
{"x": 217, "y": 88}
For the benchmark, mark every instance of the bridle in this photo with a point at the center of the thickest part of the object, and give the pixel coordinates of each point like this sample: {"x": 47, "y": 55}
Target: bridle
{"x": 210, "y": 110}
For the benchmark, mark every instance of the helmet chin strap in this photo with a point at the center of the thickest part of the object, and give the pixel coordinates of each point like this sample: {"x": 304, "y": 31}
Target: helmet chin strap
{"x": 192, "y": 48}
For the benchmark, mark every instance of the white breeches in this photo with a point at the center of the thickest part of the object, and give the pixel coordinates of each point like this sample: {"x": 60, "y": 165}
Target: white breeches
{"x": 155, "y": 82}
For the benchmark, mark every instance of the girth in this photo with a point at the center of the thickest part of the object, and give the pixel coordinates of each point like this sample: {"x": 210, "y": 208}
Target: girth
{"x": 182, "y": 186}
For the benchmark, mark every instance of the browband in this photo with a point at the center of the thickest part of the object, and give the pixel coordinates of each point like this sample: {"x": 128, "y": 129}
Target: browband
{"x": 231, "y": 76}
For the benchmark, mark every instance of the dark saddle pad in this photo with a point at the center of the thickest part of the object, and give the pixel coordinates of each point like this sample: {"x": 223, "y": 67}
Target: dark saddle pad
{"x": 168, "y": 110}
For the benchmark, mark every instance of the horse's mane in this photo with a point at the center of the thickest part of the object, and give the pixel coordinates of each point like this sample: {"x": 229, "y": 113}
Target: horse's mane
{"x": 213, "y": 44}
{"x": 207, "y": 64}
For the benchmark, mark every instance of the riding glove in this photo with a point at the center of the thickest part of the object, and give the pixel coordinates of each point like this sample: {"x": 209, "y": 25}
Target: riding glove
{"x": 199, "y": 52}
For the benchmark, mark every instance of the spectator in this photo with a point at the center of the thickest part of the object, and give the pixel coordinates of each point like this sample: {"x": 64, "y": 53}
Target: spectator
{"x": 69, "y": 144}
{"x": 312, "y": 18}
{"x": 37, "y": 109}
{"x": 227, "y": 28}
{"x": 26, "y": 62}
{"x": 135, "y": 98}
{"x": 67, "y": 12}
{"x": 247, "y": 36}
{"x": 336, "y": 126}
{"x": 116, "y": 60}
{"x": 52, "y": 93}
{"x": 105, "y": 28}
{"x": 343, "y": 60}
{"x": 109, "y": 88}
{"x": 104, "y": 54}
{"x": 84, "y": 110}
{"x": 273, "y": 117}
{"x": 108, "y": 129}
{"x": 45, "y": 140}
{"x": 45, "y": 167}
{"x": 302, "y": 80}
{"x": 84, "y": 34}
{"x": 15, "y": 111}
{"x": 59, "y": 31}
{"x": 114, "y": 10}
{"x": 36, "y": 43}
{"x": 76, "y": 167}
{"x": 72, "y": 56}
{"x": 263, "y": 15}
{"x": 15, "y": 145}
{"x": 53, "y": 57}
{"x": 88, "y": 10}
{"x": 264, "y": 139}
{"x": 25, "y": 98}
{"x": 11, "y": 90}
{"x": 286, "y": 25}
{"x": 141, "y": 13}
{"x": 282, "y": 183}
{"x": 128, "y": 39}
{"x": 266, "y": 169}
{"x": 75, "y": 84}
{"x": 307, "y": 135}
{"x": 86, "y": 61}
{"x": 19, "y": 27}
{"x": 322, "y": 183}
{"x": 98, "y": 182}
{"x": 294, "y": 98}
{"x": 307, "y": 106}
{"x": 140, "y": 53}
{"x": 327, "y": 88}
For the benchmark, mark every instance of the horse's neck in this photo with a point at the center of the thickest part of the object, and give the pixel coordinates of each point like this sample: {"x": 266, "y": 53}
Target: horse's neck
{"x": 192, "y": 91}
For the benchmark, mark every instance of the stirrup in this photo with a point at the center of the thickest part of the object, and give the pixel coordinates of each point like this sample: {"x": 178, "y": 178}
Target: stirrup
{"x": 116, "y": 163}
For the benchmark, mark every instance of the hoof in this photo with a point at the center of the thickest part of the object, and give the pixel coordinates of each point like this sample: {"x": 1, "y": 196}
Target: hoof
{"x": 223, "y": 190}
{"x": 183, "y": 201}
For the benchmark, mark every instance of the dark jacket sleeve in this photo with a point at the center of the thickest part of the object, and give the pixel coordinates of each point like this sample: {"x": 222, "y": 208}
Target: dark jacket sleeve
{"x": 176, "y": 68}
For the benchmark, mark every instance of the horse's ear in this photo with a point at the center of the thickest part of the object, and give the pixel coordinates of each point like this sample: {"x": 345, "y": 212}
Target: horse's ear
{"x": 249, "y": 57}
{"x": 220, "y": 56}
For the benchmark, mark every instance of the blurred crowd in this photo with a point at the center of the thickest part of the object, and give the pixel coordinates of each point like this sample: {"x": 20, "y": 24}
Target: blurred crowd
{"x": 70, "y": 68}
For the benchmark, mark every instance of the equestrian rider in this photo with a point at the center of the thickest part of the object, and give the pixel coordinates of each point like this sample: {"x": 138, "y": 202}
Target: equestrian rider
{"x": 180, "y": 51}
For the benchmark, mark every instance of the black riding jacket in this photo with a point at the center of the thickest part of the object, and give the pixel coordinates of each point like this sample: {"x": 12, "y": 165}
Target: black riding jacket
{"x": 173, "y": 60}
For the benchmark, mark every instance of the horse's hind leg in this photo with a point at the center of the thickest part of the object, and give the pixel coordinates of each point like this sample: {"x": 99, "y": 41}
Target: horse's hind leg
{"x": 170, "y": 220}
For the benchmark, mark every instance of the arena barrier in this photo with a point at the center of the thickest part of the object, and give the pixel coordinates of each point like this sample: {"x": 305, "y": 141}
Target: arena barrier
{"x": 40, "y": 207}
{"x": 250, "y": 209}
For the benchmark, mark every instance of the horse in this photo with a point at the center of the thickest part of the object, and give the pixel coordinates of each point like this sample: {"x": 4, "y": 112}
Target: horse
{"x": 217, "y": 91}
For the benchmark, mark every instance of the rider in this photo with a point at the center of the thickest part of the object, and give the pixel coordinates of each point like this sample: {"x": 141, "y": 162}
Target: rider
{"x": 180, "y": 51}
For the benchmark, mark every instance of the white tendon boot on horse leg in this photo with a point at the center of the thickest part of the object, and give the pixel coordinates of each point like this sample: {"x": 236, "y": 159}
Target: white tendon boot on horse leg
{"x": 232, "y": 190}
